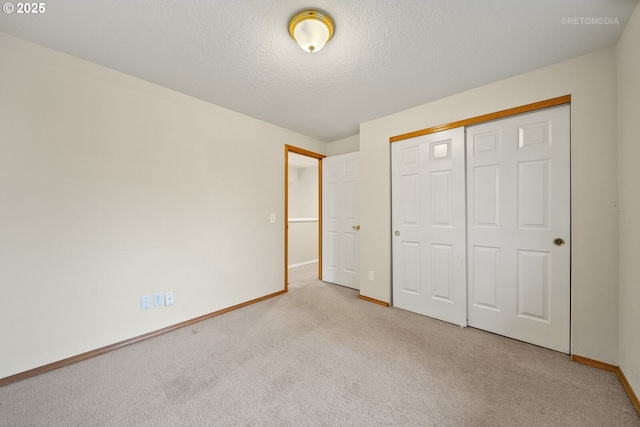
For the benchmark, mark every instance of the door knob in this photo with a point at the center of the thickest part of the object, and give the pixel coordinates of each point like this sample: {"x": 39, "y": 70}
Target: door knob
{"x": 356, "y": 227}
{"x": 397, "y": 233}
{"x": 558, "y": 241}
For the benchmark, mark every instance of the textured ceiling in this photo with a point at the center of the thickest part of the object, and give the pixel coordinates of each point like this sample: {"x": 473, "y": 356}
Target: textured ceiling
{"x": 385, "y": 56}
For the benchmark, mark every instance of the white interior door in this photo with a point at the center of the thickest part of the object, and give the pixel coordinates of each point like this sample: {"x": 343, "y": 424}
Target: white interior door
{"x": 518, "y": 204}
{"x": 340, "y": 220}
{"x": 428, "y": 222}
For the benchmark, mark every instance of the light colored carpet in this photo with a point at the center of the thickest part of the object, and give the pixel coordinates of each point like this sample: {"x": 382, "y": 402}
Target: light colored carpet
{"x": 304, "y": 274}
{"x": 318, "y": 355}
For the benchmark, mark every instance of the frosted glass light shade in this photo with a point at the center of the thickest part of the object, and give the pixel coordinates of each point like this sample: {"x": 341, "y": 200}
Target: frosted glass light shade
{"x": 311, "y": 29}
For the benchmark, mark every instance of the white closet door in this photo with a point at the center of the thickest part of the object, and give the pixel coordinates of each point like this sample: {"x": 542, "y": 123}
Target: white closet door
{"x": 518, "y": 210}
{"x": 340, "y": 220}
{"x": 428, "y": 222}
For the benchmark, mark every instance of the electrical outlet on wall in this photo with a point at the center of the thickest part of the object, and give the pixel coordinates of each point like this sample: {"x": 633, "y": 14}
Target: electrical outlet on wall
{"x": 145, "y": 302}
{"x": 157, "y": 299}
{"x": 168, "y": 298}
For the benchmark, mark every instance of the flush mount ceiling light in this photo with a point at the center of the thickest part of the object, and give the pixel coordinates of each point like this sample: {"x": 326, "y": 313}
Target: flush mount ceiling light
{"x": 311, "y": 29}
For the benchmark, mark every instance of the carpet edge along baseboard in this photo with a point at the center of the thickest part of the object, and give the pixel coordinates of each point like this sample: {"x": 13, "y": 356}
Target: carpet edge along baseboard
{"x": 611, "y": 368}
{"x": 373, "y": 300}
{"x": 106, "y": 349}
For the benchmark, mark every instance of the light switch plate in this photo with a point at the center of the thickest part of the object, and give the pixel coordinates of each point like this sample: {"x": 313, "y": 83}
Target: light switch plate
{"x": 272, "y": 218}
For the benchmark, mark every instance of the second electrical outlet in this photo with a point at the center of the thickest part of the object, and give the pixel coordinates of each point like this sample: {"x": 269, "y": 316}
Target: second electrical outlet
{"x": 157, "y": 299}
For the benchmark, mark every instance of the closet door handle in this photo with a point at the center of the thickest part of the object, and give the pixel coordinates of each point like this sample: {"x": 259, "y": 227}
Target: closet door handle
{"x": 558, "y": 241}
{"x": 397, "y": 233}
{"x": 356, "y": 227}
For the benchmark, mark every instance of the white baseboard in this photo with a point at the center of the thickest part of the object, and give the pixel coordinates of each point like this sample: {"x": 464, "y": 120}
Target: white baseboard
{"x": 303, "y": 263}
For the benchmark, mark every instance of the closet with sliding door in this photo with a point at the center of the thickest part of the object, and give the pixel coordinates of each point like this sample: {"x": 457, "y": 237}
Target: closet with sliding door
{"x": 481, "y": 225}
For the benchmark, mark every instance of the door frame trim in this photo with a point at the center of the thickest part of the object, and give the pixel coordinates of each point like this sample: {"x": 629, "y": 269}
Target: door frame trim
{"x": 291, "y": 149}
{"x": 561, "y": 100}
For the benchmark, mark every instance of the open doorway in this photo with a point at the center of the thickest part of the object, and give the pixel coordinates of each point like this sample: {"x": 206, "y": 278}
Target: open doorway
{"x": 303, "y": 212}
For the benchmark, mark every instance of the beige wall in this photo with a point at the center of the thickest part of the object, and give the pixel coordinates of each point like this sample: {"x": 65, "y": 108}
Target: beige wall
{"x": 343, "y": 146}
{"x": 303, "y": 193}
{"x": 303, "y": 243}
{"x": 591, "y": 80}
{"x": 112, "y": 188}
{"x": 303, "y": 203}
{"x": 629, "y": 133}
